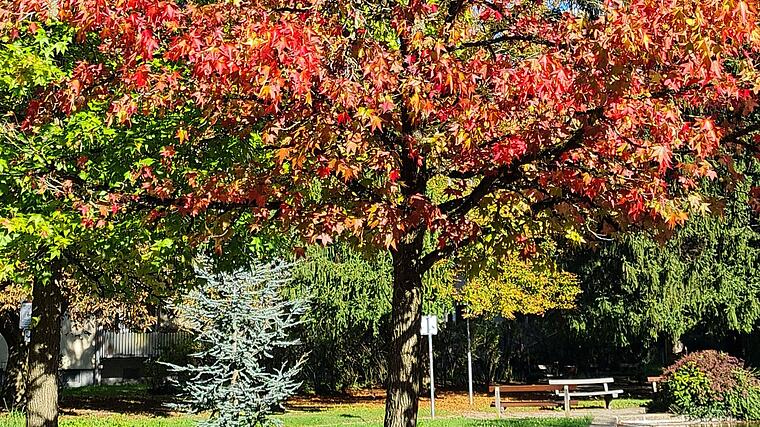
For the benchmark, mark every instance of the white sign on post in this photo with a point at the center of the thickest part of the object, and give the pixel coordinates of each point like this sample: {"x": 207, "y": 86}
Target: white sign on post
{"x": 429, "y": 327}
{"x": 25, "y": 319}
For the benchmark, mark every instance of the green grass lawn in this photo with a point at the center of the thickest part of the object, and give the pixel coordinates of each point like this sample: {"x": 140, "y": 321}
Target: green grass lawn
{"x": 106, "y": 421}
{"x": 332, "y": 417}
{"x": 373, "y": 417}
{"x": 105, "y": 407}
{"x": 343, "y": 415}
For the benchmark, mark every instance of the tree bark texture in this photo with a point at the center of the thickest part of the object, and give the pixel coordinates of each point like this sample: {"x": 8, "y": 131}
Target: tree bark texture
{"x": 44, "y": 352}
{"x": 404, "y": 357}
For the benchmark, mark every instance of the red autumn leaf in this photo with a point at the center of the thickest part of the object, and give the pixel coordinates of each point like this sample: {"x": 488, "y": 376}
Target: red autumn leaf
{"x": 149, "y": 43}
{"x": 323, "y": 171}
{"x": 343, "y": 118}
{"x": 141, "y": 77}
{"x": 168, "y": 151}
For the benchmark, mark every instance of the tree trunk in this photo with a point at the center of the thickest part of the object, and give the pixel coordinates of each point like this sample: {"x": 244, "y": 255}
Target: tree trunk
{"x": 404, "y": 358}
{"x": 44, "y": 352}
{"x": 12, "y": 393}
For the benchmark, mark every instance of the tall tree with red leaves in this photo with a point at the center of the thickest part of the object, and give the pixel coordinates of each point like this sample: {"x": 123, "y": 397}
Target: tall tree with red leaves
{"x": 337, "y": 118}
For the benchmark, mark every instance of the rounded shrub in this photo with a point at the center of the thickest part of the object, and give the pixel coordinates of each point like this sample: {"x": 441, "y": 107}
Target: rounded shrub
{"x": 710, "y": 384}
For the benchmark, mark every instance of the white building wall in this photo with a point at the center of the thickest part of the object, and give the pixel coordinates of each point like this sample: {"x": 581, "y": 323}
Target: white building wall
{"x": 78, "y": 345}
{"x": 122, "y": 353}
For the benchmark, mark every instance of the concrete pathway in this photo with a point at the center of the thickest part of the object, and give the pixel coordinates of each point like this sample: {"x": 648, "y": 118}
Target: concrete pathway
{"x": 604, "y": 421}
{"x": 651, "y": 420}
{"x": 666, "y": 420}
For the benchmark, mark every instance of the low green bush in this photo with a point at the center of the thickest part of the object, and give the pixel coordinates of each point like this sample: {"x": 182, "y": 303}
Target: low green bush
{"x": 688, "y": 391}
{"x": 710, "y": 384}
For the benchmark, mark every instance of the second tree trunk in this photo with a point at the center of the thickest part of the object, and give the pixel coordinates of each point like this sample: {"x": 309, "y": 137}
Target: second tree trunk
{"x": 12, "y": 392}
{"x": 44, "y": 353}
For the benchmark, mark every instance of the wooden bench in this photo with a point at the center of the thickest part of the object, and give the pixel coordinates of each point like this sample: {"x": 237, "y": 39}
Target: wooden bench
{"x": 539, "y": 395}
{"x": 584, "y": 390}
{"x": 655, "y": 380}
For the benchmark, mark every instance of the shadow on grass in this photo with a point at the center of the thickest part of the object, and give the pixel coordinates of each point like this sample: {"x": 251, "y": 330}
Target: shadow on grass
{"x": 134, "y": 399}
{"x": 350, "y": 416}
{"x": 306, "y": 408}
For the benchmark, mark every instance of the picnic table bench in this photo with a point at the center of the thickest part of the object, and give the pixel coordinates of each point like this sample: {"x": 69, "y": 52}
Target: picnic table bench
{"x": 655, "y": 380}
{"x": 583, "y": 389}
{"x": 524, "y": 395}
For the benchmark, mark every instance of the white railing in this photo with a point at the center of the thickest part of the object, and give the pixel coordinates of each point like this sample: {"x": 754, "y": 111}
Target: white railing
{"x": 136, "y": 344}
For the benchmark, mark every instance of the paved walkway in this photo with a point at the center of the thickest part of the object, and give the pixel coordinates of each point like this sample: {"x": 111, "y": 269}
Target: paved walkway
{"x": 600, "y": 417}
{"x": 664, "y": 420}
{"x": 604, "y": 421}
{"x": 648, "y": 420}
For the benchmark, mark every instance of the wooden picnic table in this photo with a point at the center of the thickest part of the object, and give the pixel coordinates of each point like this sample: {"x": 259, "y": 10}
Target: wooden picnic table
{"x": 525, "y": 395}
{"x": 654, "y": 381}
{"x": 585, "y": 388}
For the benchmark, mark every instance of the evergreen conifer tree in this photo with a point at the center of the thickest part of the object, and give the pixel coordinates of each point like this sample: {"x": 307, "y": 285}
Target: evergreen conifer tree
{"x": 242, "y": 323}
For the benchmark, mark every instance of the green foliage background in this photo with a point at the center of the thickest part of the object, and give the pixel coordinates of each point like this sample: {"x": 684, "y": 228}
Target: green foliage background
{"x": 700, "y": 282}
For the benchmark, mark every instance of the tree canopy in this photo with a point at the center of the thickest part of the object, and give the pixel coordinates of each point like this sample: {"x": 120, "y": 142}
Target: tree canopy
{"x": 333, "y": 117}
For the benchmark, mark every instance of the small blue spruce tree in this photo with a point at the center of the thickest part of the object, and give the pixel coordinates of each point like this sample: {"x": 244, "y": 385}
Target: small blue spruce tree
{"x": 241, "y": 321}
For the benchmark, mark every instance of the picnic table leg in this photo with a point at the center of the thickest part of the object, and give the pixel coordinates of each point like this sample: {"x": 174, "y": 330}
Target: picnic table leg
{"x": 567, "y": 400}
{"x": 497, "y": 397}
{"x": 607, "y": 397}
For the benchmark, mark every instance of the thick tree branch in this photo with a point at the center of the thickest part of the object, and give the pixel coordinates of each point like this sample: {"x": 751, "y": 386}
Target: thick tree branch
{"x": 94, "y": 277}
{"x": 509, "y": 174}
{"x": 431, "y": 258}
{"x": 459, "y": 207}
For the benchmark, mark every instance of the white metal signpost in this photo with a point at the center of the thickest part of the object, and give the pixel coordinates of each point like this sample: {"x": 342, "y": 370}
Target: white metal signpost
{"x": 430, "y": 328}
{"x": 469, "y": 362}
{"x": 25, "y": 319}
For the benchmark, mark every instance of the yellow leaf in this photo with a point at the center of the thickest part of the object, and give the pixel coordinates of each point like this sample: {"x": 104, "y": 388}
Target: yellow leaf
{"x": 181, "y": 135}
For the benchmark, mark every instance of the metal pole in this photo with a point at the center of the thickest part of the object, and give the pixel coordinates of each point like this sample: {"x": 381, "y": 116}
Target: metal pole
{"x": 432, "y": 381}
{"x": 98, "y": 341}
{"x": 469, "y": 361}
{"x": 497, "y": 397}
